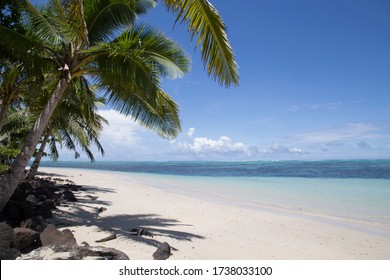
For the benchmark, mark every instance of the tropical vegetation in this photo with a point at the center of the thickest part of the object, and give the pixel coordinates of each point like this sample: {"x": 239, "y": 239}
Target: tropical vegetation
{"x": 70, "y": 46}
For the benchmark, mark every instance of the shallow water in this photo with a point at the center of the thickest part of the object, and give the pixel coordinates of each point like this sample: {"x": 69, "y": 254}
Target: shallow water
{"x": 357, "y": 199}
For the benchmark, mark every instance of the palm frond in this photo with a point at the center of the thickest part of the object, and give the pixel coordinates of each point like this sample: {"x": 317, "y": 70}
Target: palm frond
{"x": 205, "y": 23}
{"x": 78, "y": 25}
{"x": 120, "y": 70}
{"x": 138, "y": 59}
{"x": 17, "y": 120}
{"x": 18, "y": 47}
{"x": 158, "y": 113}
{"x": 76, "y": 119}
{"x": 171, "y": 60}
{"x": 43, "y": 27}
{"x": 105, "y": 17}
{"x": 54, "y": 155}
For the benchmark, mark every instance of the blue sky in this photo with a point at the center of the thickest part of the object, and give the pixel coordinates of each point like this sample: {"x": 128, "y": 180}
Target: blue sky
{"x": 315, "y": 84}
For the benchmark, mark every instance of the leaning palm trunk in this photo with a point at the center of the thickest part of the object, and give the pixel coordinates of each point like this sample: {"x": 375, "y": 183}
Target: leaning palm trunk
{"x": 37, "y": 161}
{"x": 3, "y": 114}
{"x": 10, "y": 180}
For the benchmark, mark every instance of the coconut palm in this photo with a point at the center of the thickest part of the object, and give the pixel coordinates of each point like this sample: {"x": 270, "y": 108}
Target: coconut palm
{"x": 74, "y": 123}
{"x": 76, "y": 38}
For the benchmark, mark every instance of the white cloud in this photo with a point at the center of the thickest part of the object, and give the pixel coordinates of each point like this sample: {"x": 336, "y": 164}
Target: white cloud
{"x": 221, "y": 147}
{"x": 191, "y": 132}
{"x": 205, "y": 145}
{"x": 277, "y": 149}
{"x": 123, "y": 139}
{"x": 121, "y": 131}
{"x": 225, "y": 148}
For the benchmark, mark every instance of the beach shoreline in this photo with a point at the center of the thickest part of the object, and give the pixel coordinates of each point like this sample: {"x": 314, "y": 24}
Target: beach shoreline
{"x": 204, "y": 229}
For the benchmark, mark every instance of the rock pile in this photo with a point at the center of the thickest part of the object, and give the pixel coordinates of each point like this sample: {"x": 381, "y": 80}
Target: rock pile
{"x": 25, "y": 233}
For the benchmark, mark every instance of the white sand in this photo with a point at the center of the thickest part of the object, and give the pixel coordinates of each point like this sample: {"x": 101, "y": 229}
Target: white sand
{"x": 206, "y": 230}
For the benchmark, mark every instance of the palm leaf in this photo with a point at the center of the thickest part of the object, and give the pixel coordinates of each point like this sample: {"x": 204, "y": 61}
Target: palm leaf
{"x": 78, "y": 24}
{"x": 105, "y": 17}
{"x": 170, "y": 60}
{"x": 53, "y": 149}
{"x": 160, "y": 114}
{"x": 17, "y": 47}
{"x": 41, "y": 26}
{"x": 205, "y": 23}
{"x": 145, "y": 108}
{"x": 130, "y": 69}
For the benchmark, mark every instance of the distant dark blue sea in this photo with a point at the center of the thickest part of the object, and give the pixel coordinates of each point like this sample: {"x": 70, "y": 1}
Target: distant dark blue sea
{"x": 364, "y": 169}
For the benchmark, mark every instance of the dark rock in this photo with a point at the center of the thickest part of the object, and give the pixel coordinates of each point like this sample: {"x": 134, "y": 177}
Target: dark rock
{"x": 33, "y": 199}
{"x": 17, "y": 211}
{"x": 26, "y": 237}
{"x": 27, "y": 210}
{"x": 43, "y": 210}
{"x": 25, "y": 187}
{"x": 163, "y": 252}
{"x": 72, "y": 187}
{"x": 47, "y": 184}
{"x": 49, "y": 204}
{"x": 9, "y": 244}
{"x": 52, "y": 236}
{"x": 36, "y": 223}
{"x": 9, "y": 253}
{"x": 45, "y": 193}
{"x": 12, "y": 213}
{"x": 75, "y": 253}
{"x": 68, "y": 196}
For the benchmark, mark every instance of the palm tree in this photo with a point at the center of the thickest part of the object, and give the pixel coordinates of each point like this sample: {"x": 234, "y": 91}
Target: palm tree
{"x": 74, "y": 123}
{"x": 77, "y": 39}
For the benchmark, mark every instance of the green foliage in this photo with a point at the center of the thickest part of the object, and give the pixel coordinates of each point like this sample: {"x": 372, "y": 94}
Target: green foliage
{"x": 100, "y": 40}
{"x": 205, "y": 23}
{"x": 7, "y": 154}
{"x": 10, "y": 15}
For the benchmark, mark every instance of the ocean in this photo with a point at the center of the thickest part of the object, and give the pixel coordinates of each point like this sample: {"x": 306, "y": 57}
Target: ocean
{"x": 356, "y": 190}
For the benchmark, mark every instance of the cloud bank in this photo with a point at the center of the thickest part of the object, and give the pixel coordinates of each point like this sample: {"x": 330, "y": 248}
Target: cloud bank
{"x": 123, "y": 139}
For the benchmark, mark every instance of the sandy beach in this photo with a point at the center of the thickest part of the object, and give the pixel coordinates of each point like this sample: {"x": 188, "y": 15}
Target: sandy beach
{"x": 203, "y": 229}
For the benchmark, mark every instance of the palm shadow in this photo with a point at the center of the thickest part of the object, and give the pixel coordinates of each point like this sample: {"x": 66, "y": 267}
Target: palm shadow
{"x": 85, "y": 212}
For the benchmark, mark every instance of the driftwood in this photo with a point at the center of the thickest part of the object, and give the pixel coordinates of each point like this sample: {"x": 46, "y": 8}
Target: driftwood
{"x": 108, "y": 238}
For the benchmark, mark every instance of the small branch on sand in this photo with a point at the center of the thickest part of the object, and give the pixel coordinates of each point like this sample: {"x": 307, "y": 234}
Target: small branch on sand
{"x": 108, "y": 238}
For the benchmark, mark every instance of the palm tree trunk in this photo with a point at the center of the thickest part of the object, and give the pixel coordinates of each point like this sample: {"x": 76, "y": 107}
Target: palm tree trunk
{"x": 3, "y": 114}
{"x": 37, "y": 161}
{"x": 11, "y": 179}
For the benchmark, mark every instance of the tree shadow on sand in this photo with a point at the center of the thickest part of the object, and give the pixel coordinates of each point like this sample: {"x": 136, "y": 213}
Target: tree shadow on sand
{"x": 86, "y": 213}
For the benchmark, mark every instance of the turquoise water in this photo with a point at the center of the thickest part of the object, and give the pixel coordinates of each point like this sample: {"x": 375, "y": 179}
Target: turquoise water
{"x": 356, "y": 190}
{"x": 356, "y": 199}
